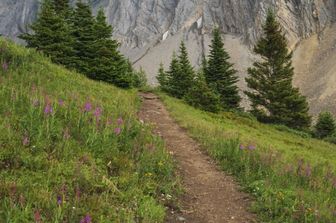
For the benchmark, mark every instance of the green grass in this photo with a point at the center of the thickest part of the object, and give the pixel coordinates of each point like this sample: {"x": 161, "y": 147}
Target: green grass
{"x": 63, "y": 153}
{"x": 291, "y": 175}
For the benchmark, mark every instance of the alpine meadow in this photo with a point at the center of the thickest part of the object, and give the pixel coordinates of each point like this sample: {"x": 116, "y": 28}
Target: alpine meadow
{"x": 167, "y": 111}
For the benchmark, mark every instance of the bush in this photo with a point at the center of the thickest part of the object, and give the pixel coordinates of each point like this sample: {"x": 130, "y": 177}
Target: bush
{"x": 325, "y": 126}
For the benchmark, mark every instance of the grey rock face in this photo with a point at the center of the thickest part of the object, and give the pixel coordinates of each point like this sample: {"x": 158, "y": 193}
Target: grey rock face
{"x": 150, "y": 30}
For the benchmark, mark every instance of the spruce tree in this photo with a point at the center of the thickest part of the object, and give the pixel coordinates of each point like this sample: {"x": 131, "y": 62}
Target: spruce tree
{"x": 201, "y": 96}
{"x": 272, "y": 96}
{"x": 84, "y": 33}
{"x": 325, "y": 126}
{"x": 51, "y": 35}
{"x": 187, "y": 73}
{"x": 220, "y": 74}
{"x": 162, "y": 78}
{"x": 62, "y": 7}
{"x": 174, "y": 77}
{"x": 107, "y": 62}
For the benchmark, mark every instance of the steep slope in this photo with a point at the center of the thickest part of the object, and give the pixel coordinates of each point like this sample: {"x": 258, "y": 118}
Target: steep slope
{"x": 151, "y": 30}
{"x": 72, "y": 149}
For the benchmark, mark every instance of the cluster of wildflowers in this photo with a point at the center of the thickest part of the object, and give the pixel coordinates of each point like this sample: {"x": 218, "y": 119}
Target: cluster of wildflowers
{"x": 250, "y": 147}
{"x": 86, "y": 219}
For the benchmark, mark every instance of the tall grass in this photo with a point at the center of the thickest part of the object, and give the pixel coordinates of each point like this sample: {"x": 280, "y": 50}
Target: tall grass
{"x": 72, "y": 150}
{"x": 291, "y": 175}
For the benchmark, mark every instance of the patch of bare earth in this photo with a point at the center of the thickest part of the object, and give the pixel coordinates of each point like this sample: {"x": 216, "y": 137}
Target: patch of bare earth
{"x": 210, "y": 195}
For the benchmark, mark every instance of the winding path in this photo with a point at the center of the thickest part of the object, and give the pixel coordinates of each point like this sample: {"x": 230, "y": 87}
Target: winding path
{"x": 210, "y": 195}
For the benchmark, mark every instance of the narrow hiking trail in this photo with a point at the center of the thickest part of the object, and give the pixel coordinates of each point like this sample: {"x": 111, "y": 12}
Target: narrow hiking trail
{"x": 210, "y": 195}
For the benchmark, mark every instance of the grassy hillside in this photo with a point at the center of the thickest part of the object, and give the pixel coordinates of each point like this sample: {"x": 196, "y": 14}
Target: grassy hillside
{"x": 71, "y": 150}
{"x": 292, "y": 176}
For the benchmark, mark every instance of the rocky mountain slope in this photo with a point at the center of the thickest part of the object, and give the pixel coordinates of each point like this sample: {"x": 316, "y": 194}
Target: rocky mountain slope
{"x": 150, "y": 30}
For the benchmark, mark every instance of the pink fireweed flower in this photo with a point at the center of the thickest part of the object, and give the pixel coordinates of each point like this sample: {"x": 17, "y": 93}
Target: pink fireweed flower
{"x": 98, "y": 112}
{"x": 241, "y": 147}
{"x": 5, "y": 66}
{"x": 25, "y": 141}
{"x": 48, "y": 109}
{"x": 37, "y": 217}
{"x": 86, "y": 219}
{"x": 252, "y": 147}
{"x": 120, "y": 121}
{"x": 87, "y": 107}
{"x": 61, "y": 102}
{"x": 117, "y": 131}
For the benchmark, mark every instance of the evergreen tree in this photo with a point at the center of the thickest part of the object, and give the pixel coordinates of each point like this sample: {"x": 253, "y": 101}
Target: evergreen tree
{"x": 201, "y": 96}
{"x": 174, "y": 77}
{"x": 220, "y": 74}
{"x": 271, "y": 92}
{"x": 325, "y": 126}
{"x": 187, "y": 73}
{"x": 62, "y": 7}
{"x": 162, "y": 78}
{"x": 51, "y": 35}
{"x": 107, "y": 62}
{"x": 84, "y": 33}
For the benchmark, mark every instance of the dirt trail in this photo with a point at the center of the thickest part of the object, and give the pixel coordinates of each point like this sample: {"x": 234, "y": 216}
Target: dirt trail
{"x": 210, "y": 195}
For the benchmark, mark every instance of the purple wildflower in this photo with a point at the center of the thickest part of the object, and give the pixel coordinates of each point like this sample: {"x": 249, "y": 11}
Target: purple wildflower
{"x": 241, "y": 147}
{"x": 59, "y": 200}
{"x": 61, "y": 102}
{"x": 25, "y": 141}
{"x": 5, "y": 66}
{"x": 48, "y": 109}
{"x": 98, "y": 112}
{"x": 87, "y": 107}
{"x": 86, "y": 219}
{"x": 120, "y": 121}
{"x": 252, "y": 147}
{"x": 117, "y": 131}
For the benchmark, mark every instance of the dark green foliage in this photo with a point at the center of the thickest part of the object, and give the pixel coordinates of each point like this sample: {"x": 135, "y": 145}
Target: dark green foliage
{"x": 140, "y": 78}
{"x": 51, "y": 35}
{"x": 62, "y": 7}
{"x": 271, "y": 92}
{"x": 162, "y": 78}
{"x": 84, "y": 33}
{"x": 181, "y": 74}
{"x": 220, "y": 74}
{"x": 201, "y": 96}
{"x": 325, "y": 126}
{"x": 173, "y": 75}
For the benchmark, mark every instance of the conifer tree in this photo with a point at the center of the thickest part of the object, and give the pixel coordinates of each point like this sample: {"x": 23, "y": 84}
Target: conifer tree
{"x": 84, "y": 33}
{"x": 187, "y": 73}
{"x": 325, "y": 126}
{"x": 201, "y": 96}
{"x": 62, "y": 7}
{"x": 271, "y": 92}
{"x": 51, "y": 35}
{"x": 107, "y": 61}
{"x": 174, "y": 77}
{"x": 220, "y": 74}
{"x": 162, "y": 78}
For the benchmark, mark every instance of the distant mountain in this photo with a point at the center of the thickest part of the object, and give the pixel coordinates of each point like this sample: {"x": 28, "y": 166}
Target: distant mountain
{"x": 150, "y": 30}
